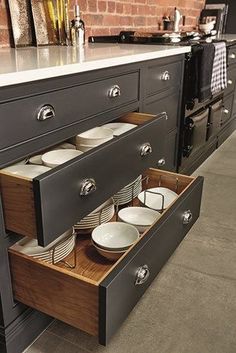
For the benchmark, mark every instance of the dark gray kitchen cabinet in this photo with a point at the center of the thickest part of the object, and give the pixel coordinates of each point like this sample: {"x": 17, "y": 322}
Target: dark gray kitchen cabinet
{"x": 148, "y": 87}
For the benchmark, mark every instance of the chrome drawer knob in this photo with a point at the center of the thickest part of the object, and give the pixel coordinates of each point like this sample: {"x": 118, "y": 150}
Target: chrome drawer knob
{"x": 114, "y": 91}
{"x": 46, "y": 112}
{"x": 165, "y": 76}
{"x": 232, "y": 56}
{"x": 142, "y": 275}
{"x": 145, "y": 149}
{"x": 230, "y": 82}
{"x": 226, "y": 111}
{"x": 187, "y": 217}
{"x": 88, "y": 187}
{"x": 161, "y": 162}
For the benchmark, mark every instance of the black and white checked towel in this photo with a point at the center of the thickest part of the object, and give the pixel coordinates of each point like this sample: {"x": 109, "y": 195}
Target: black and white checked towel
{"x": 219, "y": 70}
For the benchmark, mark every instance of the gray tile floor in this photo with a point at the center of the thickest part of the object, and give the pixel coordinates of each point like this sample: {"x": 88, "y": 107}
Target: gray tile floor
{"x": 191, "y": 306}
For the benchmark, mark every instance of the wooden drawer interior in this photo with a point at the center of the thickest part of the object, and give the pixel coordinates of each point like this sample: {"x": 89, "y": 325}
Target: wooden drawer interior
{"x": 72, "y": 295}
{"x": 18, "y": 195}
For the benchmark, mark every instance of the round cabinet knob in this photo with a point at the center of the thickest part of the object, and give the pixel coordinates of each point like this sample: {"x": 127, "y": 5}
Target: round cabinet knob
{"x": 46, "y": 112}
{"x": 230, "y": 82}
{"x": 145, "y": 149}
{"x": 114, "y": 91}
{"x": 226, "y": 111}
{"x": 232, "y": 56}
{"x": 88, "y": 187}
{"x": 165, "y": 76}
{"x": 161, "y": 162}
{"x": 142, "y": 275}
{"x": 187, "y": 217}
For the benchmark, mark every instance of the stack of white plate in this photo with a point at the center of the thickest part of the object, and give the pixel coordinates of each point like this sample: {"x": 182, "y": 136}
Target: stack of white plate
{"x": 157, "y": 198}
{"x": 119, "y": 128}
{"x": 113, "y": 239}
{"x": 37, "y": 159}
{"x": 57, "y": 157}
{"x": 129, "y": 192}
{"x": 27, "y": 170}
{"x": 92, "y": 138}
{"x": 101, "y": 215}
{"x": 54, "y": 252}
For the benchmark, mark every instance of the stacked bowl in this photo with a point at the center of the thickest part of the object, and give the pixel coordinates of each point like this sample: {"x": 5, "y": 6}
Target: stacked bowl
{"x": 53, "y": 253}
{"x": 57, "y": 157}
{"x": 113, "y": 239}
{"x": 101, "y": 215}
{"x": 92, "y": 138}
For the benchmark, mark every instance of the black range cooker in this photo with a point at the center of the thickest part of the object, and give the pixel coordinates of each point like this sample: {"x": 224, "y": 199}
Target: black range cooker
{"x": 201, "y": 116}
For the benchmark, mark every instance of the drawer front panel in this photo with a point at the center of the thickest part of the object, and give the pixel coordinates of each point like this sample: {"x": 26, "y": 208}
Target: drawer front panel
{"x": 171, "y": 152}
{"x": 165, "y": 103}
{"x": 232, "y": 56}
{"x": 68, "y": 106}
{"x": 227, "y": 109}
{"x": 154, "y": 250}
{"x": 57, "y": 196}
{"x": 161, "y": 77}
{"x": 231, "y": 80}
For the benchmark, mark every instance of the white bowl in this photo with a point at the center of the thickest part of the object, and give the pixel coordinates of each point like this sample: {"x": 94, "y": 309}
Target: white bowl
{"x": 57, "y": 157}
{"x": 27, "y": 170}
{"x": 140, "y": 217}
{"x": 115, "y": 236}
{"x": 206, "y": 27}
{"x": 94, "y": 136}
{"x": 153, "y": 198}
{"x": 109, "y": 254}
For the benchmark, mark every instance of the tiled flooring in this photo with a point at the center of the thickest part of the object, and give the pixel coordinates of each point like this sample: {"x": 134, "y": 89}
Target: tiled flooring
{"x": 191, "y": 306}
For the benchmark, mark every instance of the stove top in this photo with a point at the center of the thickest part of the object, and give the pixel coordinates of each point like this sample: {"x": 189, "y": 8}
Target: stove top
{"x": 164, "y": 38}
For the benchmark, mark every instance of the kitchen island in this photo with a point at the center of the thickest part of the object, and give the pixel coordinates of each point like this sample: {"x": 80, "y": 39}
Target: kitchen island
{"x": 102, "y": 84}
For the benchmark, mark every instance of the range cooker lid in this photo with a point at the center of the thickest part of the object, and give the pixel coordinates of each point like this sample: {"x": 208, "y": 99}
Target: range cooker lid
{"x": 137, "y": 37}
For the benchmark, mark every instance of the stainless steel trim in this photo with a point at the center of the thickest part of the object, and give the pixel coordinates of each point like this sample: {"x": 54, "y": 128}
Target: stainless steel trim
{"x": 142, "y": 274}
{"x": 165, "y": 76}
{"x": 145, "y": 149}
{"x": 187, "y": 217}
{"x": 161, "y": 162}
{"x": 114, "y": 91}
{"x": 88, "y": 187}
{"x": 225, "y": 111}
{"x": 46, "y": 112}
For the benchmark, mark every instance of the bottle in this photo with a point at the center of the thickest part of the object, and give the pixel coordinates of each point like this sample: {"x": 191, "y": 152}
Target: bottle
{"x": 77, "y": 29}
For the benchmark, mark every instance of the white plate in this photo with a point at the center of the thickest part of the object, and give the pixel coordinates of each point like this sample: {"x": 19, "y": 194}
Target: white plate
{"x": 94, "y": 136}
{"x": 57, "y": 157}
{"x": 154, "y": 201}
{"x": 28, "y": 170}
{"x": 120, "y": 128}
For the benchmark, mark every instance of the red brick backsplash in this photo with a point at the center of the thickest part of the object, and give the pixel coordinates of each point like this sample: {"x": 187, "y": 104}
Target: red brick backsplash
{"x": 111, "y": 16}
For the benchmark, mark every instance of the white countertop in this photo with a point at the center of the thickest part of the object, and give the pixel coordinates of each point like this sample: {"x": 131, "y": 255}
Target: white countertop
{"x": 31, "y": 64}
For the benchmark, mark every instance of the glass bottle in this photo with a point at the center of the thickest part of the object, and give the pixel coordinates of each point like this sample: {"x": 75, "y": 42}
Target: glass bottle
{"x": 77, "y": 29}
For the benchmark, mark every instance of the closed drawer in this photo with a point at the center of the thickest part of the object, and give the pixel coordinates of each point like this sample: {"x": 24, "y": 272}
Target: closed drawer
{"x": 232, "y": 56}
{"x": 231, "y": 80}
{"x": 161, "y": 77}
{"x": 97, "y": 295}
{"x": 227, "y": 109}
{"x": 25, "y": 119}
{"x": 171, "y": 149}
{"x": 165, "y": 102}
{"x": 44, "y": 207}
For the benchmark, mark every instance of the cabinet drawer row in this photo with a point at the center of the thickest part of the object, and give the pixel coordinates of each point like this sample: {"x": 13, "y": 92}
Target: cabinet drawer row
{"x": 46, "y": 206}
{"x": 86, "y": 296}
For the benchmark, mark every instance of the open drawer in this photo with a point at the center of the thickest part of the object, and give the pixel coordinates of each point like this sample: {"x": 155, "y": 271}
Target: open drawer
{"x": 97, "y": 295}
{"x": 46, "y": 206}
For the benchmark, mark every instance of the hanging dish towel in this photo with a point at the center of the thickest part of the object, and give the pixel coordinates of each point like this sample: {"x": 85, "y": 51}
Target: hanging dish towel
{"x": 205, "y": 65}
{"x": 219, "y": 71}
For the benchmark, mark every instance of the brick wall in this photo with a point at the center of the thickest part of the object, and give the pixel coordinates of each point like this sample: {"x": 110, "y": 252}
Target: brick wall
{"x": 110, "y": 16}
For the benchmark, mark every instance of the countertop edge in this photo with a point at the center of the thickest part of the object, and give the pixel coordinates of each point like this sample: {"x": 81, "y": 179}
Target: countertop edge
{"x": 19, "y": 77}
